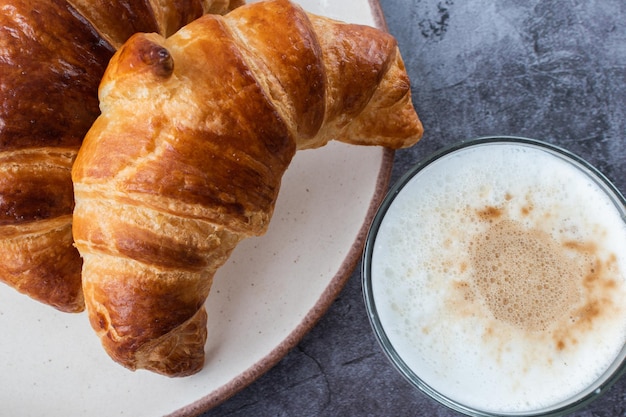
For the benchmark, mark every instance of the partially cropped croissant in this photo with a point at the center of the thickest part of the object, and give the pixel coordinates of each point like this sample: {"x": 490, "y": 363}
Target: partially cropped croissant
{"x": 53, "y": 54}
{"x": 187, "y": 157}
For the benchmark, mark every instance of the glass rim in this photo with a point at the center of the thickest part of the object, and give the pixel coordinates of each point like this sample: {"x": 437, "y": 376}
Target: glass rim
{"x": 603, "y": 382}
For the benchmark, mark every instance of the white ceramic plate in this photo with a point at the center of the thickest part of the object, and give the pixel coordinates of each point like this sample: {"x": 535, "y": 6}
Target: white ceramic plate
{"x": 271, "y": 292}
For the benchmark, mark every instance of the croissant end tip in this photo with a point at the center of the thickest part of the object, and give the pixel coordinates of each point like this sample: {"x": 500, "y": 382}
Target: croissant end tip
{"x": 159, "y": 60}
{"x": 142, "y": 52}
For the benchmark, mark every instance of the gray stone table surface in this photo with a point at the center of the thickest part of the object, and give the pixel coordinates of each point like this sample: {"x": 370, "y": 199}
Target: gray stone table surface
{"x": 550, "y": 70}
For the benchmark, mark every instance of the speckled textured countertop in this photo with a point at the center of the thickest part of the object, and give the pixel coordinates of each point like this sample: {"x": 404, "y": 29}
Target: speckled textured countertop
{"x": 550, "y": 70}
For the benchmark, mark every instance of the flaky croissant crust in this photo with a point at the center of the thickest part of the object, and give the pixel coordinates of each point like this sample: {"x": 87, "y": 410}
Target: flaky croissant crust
{"x": 187, "y": 158}
{"x": 53, "y": 54}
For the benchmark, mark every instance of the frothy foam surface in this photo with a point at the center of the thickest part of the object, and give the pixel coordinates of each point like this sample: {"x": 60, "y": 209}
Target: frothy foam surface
{"x": 497, "y": 274}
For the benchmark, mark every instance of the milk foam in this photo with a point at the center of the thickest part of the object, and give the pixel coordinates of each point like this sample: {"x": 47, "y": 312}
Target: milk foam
{"x": 442, "y": 310}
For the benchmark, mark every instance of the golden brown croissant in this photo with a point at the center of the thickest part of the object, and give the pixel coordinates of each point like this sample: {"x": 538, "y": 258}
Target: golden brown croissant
{"x": 187, "y": 158}
{"x": 53, "y": 54}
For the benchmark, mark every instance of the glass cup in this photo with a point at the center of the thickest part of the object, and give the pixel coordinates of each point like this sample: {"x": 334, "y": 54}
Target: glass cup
{"x": 543, "y": 340}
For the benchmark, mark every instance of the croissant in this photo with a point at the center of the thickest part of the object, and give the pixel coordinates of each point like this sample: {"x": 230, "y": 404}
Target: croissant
{"x": 53, "y": 54}
{"x": 187, "y": 157}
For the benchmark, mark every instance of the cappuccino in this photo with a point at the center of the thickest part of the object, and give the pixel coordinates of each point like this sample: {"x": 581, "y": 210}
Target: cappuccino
{"x": 495, "y": 278}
